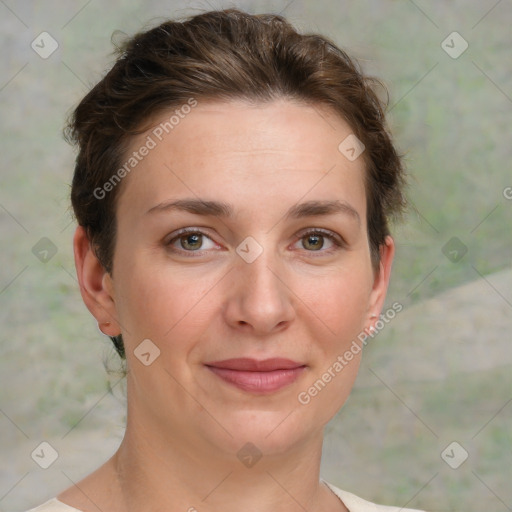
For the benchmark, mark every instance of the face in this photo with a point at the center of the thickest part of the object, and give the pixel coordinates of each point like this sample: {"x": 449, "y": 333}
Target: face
{"x": 242, "y": 255}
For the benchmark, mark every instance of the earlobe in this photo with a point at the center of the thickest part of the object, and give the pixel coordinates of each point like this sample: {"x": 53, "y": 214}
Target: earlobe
{"x": 95, "y": 284}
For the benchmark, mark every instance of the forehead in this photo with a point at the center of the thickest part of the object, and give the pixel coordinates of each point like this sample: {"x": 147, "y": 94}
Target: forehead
{"x": 280, "y": 151}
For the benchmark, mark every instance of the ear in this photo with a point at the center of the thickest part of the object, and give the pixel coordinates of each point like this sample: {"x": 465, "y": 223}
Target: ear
{"x": 381, "y": 281}
{"x": 96, "y": 285}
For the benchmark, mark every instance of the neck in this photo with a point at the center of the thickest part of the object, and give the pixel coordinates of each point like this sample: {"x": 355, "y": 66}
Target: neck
{"x": 162, "y": 471}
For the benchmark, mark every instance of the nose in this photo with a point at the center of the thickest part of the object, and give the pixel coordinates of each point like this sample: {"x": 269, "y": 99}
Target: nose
{"x": 260, "y": 299}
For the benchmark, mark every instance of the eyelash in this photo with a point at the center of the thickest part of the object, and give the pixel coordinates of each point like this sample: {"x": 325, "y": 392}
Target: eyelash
{"x": 338, "y": 242}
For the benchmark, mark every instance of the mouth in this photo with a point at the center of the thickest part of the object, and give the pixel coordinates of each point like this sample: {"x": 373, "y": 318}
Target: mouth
{"x": 260, "y": 377}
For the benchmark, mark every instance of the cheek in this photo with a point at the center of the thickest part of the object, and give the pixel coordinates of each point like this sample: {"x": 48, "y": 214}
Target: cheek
{"x": 338, "y": 302}
{"x": 339, "y": 308}
{"x": 158, "y": 303}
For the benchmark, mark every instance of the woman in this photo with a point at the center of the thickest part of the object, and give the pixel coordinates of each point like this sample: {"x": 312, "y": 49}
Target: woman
{"x": 233, "y": 189}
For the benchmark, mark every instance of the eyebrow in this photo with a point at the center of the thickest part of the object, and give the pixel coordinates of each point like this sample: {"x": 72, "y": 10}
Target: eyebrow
{"x": 203, "y": 207}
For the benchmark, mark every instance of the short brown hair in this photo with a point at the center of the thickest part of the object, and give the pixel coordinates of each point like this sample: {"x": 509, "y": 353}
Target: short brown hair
{"x": 224, "y": 55}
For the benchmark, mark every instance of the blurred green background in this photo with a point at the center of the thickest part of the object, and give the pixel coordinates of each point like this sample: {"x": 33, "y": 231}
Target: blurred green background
{"x": 439, "y": 372}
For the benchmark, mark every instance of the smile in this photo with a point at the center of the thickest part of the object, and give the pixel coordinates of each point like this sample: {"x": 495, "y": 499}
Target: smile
{"x": 256, "y": 376}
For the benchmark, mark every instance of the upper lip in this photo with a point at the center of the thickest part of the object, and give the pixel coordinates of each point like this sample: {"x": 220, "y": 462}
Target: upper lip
{"x": 254, "y": 365}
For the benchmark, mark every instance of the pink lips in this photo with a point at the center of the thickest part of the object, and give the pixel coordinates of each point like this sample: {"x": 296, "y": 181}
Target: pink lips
{"x": 257, "y": 376}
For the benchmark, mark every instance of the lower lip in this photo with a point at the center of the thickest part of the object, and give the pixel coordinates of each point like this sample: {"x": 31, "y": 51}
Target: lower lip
{"x": 258, "y": 382}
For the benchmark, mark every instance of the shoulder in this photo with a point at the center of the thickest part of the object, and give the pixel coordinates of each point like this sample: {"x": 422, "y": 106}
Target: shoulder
{"x": 53, "y": 505}
{"x": 356, "y": 504}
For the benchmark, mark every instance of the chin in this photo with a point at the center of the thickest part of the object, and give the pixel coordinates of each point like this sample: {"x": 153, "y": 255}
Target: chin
{"x": 271, "y": 432}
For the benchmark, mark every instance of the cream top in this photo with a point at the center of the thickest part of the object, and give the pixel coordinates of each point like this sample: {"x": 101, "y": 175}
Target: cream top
{"x": 351, "y": 501}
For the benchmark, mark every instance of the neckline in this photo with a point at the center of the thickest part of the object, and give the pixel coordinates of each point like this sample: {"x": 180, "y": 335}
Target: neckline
{"x": 56, "y": 501}
{"x": 326, "y": 484}
{"x": 330, "y": 487}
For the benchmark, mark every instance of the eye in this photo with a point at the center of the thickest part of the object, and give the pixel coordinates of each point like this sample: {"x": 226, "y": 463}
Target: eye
{"x": 190, "y": 240}
{"x": 314, "y": 241}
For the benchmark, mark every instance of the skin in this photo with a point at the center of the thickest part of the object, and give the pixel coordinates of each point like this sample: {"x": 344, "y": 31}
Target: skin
{"x": 185, "y": 425}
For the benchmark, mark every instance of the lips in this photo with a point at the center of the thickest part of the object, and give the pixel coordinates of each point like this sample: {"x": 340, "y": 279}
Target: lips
{"x": 257, "y": 376}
